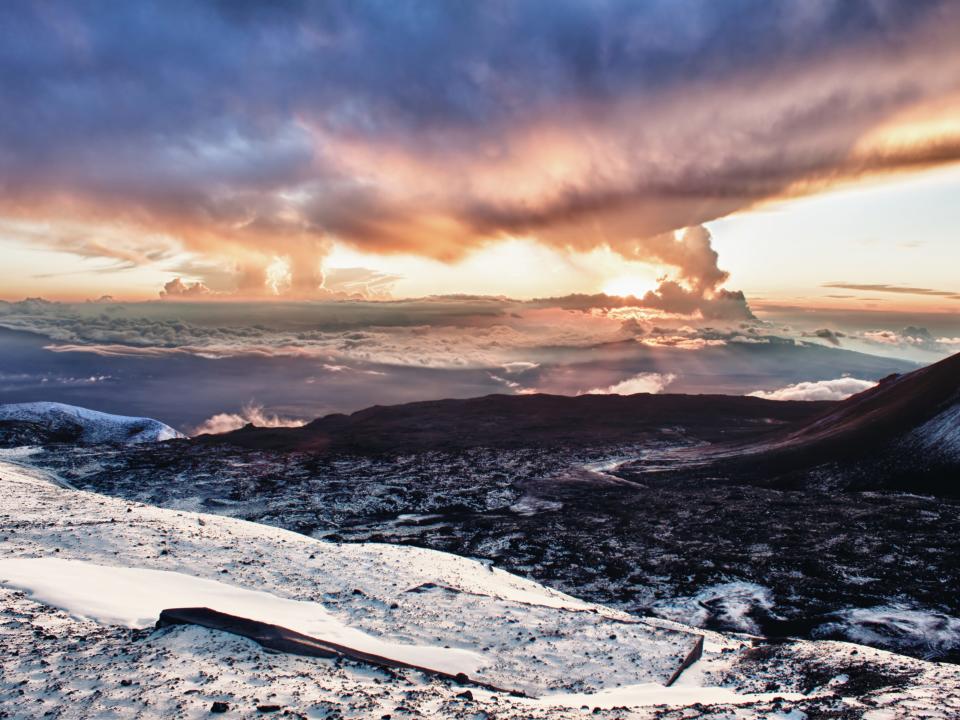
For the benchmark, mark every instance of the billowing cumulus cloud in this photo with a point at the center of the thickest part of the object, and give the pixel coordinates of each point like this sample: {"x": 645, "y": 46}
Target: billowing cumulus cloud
{"x": 839, "y": 389}
{"x": 694, "y": 291}
{"x": 249, "y": 133}
{"x": 359, "y": 282}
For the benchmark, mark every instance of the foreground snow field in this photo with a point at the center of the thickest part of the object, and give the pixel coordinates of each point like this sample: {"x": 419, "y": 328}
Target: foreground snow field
{"x": 82, "y": 577}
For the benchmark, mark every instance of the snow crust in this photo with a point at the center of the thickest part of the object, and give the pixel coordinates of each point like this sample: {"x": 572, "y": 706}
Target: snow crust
{"x": 112, "y": 563}
{"x": 502, "y": 629}
{"x": 133, "y": 597}
{"x": 96, "y": 426}
{"x": 647, "y": 694}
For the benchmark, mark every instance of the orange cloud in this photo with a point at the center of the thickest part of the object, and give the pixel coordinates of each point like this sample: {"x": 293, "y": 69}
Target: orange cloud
{"x": 611, "y": 141}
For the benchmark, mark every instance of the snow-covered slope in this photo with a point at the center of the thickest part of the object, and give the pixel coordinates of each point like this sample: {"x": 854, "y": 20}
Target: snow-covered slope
{"x": 81, "y": 576}
{"x": 940, "y": 435}
{"x": 79, "y": 424}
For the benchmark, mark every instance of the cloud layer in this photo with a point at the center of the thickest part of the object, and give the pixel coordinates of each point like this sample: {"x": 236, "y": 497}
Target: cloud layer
{"x": 247, "y": 132}
{"x": 839, "y": 389}
{"x": 305, "y": 359}
{"x": 441, "y": 332}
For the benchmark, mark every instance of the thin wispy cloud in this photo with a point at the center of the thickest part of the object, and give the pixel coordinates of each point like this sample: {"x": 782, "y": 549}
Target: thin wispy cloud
{"x": 898, "y": 289}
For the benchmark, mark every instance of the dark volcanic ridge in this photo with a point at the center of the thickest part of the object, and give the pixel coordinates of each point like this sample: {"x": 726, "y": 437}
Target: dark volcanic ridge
{"x": 528, "y": 421}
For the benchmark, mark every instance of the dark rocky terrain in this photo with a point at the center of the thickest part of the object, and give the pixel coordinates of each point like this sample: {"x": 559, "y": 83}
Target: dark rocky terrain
{"x": 876, "y": 567}
{"x": 642, "y": 502}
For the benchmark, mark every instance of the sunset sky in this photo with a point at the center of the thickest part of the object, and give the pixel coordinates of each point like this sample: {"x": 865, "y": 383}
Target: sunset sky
{"x": 524, "y": 149}
{"x": 716, "y": 163}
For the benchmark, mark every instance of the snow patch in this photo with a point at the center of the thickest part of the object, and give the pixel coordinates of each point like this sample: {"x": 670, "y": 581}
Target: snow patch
{"x": 93, "y": 426}
{"x": 941, "y": 434}
{"x": 727, "y": 605}
{"x": 645, "y": 694}
{"x": 896, "y": 627}
{"x": 134, "y": 597}
{"x": 17, "y": 453}
{"x": 607, "y": 467}
{"x": 531, "y": 505}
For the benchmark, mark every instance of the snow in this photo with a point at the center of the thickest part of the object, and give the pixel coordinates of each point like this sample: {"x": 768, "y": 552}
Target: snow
{"x": 728, "y": 604}
{"x": 896, "y": 626}
{"x": 533, "y": 639}
{"x": 941, "y": 434}
{"x": 112, "y": 564}
{"x": 14, "y": 453}
{"x": 134, "y": 597}
{"x": 94, "y": 426}
{"x": 606, "y": 467}
{"x": 532, "y": 505}
{"x": 645, "y": 694}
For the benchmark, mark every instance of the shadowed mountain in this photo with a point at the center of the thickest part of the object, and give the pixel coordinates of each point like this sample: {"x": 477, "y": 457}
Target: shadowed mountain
{"x": 903, "y": 434}
{"x": 511, "y": 421}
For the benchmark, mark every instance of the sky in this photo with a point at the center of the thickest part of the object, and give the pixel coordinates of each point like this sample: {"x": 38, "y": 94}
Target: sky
{"x": 664, "y": 172}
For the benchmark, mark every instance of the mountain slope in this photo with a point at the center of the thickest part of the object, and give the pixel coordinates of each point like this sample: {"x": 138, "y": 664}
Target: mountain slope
{"x": 892, "y": 410}
{"x": 903, "y": 434}
{"x": 44, "y": 422}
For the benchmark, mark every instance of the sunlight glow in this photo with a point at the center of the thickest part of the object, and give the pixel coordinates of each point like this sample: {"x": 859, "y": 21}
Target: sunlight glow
{"x": 628, "y": 285}
{"x": 278, "y": 275}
